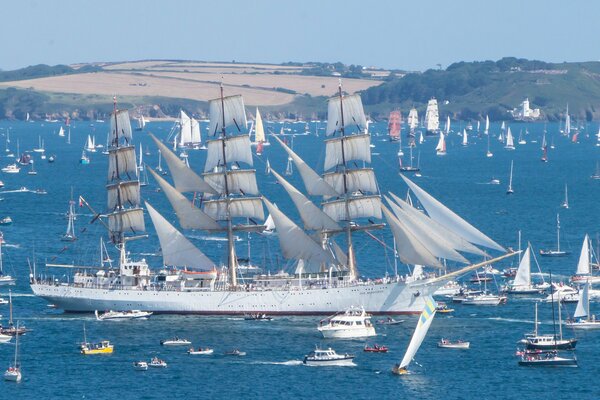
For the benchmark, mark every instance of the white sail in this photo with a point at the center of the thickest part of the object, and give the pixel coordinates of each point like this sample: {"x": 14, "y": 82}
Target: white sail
{"x": 432, "y": 119}
{"x": 184, "y": 178}
{"x": 354, "y": 114}
{"x": 410, "y": 249}
{"x": 294, "y": 242}
{"x": 356, "y": 180}
{"x": 487, "y": 125}
{"x": 583, "y": 266}
{"x": 189, "y": 216}
{"x": 457, "y": 242}
{"x": 269, "y": 224}
{"x": 235, "y": 114}
{"x": 435, "y": 243}
{"x": 315, "y": 185}
{"x": 123, "y": 124}
{"x": 127, "y": 193}
{"x": 359, "y": 207}
{"x": 356, "y": 147}
{"x": 61, "y": 132}
{"x": 523, "y": 277}
{"x": 312, "y": 216}
{"x": 413, "y": 118}
{"x": 441, "y": 145}
{"x": 567, "y": 122}
{"x": 126, "y": 220}
{"x": 447, "y": 125}
{"x": 122, "y": 163}
{"x": 465, "y": 140}
{"x": 582, "y": 309}
{"x": 446, "y": 217}
{"x": 259, "y": 130}
{"x": 425, "y": 320}
{"x": 185, "y": 129}
{"x": 237, "y": 149}
{"x": 246, "y": 207}
{"x": 196, "y": 138}
{"x": 509, "y": 139}
{"x": 239, "y": 181}
{"x": 176, "y": 249}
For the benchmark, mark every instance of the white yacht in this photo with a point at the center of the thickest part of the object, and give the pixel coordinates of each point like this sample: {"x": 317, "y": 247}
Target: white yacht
{"x": 352, "y": 323}
{"x": 11, "y": 169}
{"x": 175, "y": 342}
{"x": 122, "y": 315}
{"x": 328, "y": 357}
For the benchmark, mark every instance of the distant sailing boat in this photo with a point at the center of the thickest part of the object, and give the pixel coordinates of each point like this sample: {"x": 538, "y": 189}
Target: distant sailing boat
{"x": 289, "y": 168}
{"x": 90, "y": 146}
{"x": 423, "y": 325}
{"x": 408, "y": 168}
{"x": 61, "y": 132}
{"x": 567, "y": 131}
{"x": 487, "y": 125}
{"x": 582, "y": 319}
{"x": 394, "y": 125}
{"x": 13, "y": 373}
{"x": 441, "y": 146}
{"x": 259, "y": 134}
{"x": 4, "y": 279}
{"x": 141, "y": 123}
{"x": 432, "y": 119}
{"x": 510, "y": 145}
{"x": 510, "y": 190}
{"x": 142, "y": 173}
{"x": 544, "y": 149}
{"x": 413, "y": 120}
{"x": 565, "y": 203}
{"x": 521, "y": 139}
{"x": 465, "y": 140}
{"x": 558, "y": 252}
{"x": 584, "y": 264}
{"x": 69, "y": 235}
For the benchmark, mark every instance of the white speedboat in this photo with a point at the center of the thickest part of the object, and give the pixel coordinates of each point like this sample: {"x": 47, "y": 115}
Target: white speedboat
{"x": 484, "y": 299}
{"x": 452, "y": 288}
{"x": 122, "y": 315}
{"x": 200, "y": 352}
{"x": 175, "y": 342}
{"x": 11, "y": 169}
{"x": 157, "y": 363}
{"x": 328, "y": 357}
{"x": 352, "y": 323}
{"x": 448, "y": 344}
{"x": 140, "y": 365}
{"x": 235, "y": 352}
{"x": 5, "y": 338}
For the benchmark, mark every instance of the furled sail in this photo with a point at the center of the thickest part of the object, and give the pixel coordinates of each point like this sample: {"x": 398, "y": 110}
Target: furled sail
{"x": 358, "y": 207}
{"x": 442, "y": 214}
{"x": 122, "y": 163}
{"x": 315, "y": 185}
{"x": 184, "y": 178}
{"x": 583, "y": 265}
{"x": 312, "y": 216}
{"x": 434, "y": 242}
{"x": 176, "y": 249}
{"x": 425, "y": 320}
{"x": 127, "y": 192}
{"x": 244, "y": 207}
{"x": 523, "y": 276}
{"x": 235, "y": 114}
{"x": 123, "y": 124}
{"x": 362, "y": 180}
{"x": 353, "y": 112}
{"x": 356, "y": 147}
{"x": 456, "y": 241}
{"x": 410, "y": 249}
{"x": 294, "y": 242}
{"x": 237, "y": 149}
{"x": 189, "y": 216}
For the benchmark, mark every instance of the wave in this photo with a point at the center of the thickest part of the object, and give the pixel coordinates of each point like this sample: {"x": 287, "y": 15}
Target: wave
{"x": 290, "y": 362}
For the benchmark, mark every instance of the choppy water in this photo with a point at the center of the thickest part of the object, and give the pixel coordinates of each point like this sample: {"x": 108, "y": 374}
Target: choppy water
{"x": 52, "y": 366}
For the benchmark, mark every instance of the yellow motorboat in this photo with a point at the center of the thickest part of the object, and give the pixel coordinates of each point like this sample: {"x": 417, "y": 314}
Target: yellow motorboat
{"x": 104, "y": 347}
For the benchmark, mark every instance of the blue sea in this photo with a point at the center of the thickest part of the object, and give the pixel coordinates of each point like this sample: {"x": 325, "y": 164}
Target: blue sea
{"x": 53, "y": 368}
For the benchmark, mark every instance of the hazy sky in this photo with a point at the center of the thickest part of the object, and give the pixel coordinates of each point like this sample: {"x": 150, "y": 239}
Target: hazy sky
{"x": 413, "y": 35}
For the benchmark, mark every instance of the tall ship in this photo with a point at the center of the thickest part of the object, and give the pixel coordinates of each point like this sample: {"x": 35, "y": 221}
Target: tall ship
{"x": 413, "y": 120}
{"x": 325, "y": 277}
{"x": 432, "y": 118}
{"x": 394, "y": 125}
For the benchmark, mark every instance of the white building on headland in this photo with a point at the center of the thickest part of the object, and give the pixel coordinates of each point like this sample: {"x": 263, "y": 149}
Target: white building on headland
{"x": 524, "y": 113}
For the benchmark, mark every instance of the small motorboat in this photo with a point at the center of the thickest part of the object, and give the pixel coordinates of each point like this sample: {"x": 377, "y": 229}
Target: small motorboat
{"x": 442, "y": 308}
{"x": 140, "y": 365}
{"x": 104, "y": 347}
{"x": 5, "y": 338}
{"x": 390, "y": 321}
{"x": 175, "y": 342}
{"x": 376, "y": 349}
{"x": 122, "y": 315}
{"x": 157, "y": 363}
{"x": 6, "y": 221}
{"x": 235, "y": 352}
{"x": 257, "y": 317}
{"x": 52, "y": 158}
{"x": 200, "y": 352}
{"x": 352, "y": 323}
{"x": 458, "y": 344}
{"x": 328, "y": 357}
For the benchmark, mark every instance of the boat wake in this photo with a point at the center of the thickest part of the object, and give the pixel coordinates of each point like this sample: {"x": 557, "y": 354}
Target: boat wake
{"x": 214, "y": 238}
{"x": 235, "y": 318}
{"x": 290, "y": 362}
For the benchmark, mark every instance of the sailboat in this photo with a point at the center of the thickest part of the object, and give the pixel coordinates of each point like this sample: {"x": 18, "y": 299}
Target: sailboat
{"x": 61, "y": 132}
{"x": 432, "y": 119}
{"x": 260, "y": 140}
{"x": 141, "y": 123}
{"x": 489, "y": 152}
{"x": 408, "y": 168}
{"x": 423, "y": 324}
{"x": 394, "y": 125}
{"x": 189, "y": 132}
{"x": 447, "y": 128}
{"x": 565, "y": 203}
{"x": 413, "y": 120}
{"x": 12, "y": 330}
{"x": 13, "y": 373}
{"x": 289, "y": 168}
{"x": 40, "y": 148}
{"x": 509, "y": 140}
{"x": 582, "y": 319}
{"x": 521, "y": 139}
{"x": 596, "y": 175}
{"x": 544, "y": 149}
{"x": 326, "y": 278}
{"x": 487, "y": 125}
{"x": 510, "y": 190}
{"x": 465, "y": 138}
{"x": 69, "y": 235}
{"x": 4, "y": 279}
{"x": 522, "y": 283}
{"x": 584, "y": 265}
{"x": 441, "y": 146}
{"x": 567, "y": 131}
{"x": 598, "y": 137}
{"x": 558, "y": 252}
{"x": 142, "y": 173}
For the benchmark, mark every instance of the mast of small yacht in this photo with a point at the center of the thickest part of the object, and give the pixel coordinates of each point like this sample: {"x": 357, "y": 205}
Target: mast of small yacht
{"x": 557, "y": 232}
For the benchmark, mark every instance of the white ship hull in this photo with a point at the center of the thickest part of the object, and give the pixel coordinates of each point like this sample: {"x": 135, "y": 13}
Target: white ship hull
{"x": 337, "y": 333}
{"x": 385, "y": 298}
